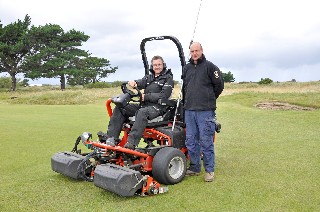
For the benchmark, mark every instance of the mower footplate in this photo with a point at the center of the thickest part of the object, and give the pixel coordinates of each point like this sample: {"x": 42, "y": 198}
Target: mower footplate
{"x": 66, "y": 163}
{"x": 117, "y": 179}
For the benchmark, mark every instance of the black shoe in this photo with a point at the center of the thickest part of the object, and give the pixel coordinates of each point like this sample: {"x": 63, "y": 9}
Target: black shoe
{"x": 103, "y": 137}
{"x": 218, "y": 127}
{"x": 129, "y": 145}
{"x": 192, "y": 173}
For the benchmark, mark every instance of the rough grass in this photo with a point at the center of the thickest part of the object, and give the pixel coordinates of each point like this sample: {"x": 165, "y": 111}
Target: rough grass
{"x": 54, "y": 96}
{"x": 283, "y": 87}
{"x": 265, "y": 160}
{"x": 80, "y": 96}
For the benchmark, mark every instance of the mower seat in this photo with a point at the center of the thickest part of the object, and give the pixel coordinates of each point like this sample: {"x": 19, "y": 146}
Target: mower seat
{"x": 164, "y": 119}
{"x": 158, "y": 121}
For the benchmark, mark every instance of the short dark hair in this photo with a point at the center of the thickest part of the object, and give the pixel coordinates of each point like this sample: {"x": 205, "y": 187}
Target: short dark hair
{"x": 157, "y": 57}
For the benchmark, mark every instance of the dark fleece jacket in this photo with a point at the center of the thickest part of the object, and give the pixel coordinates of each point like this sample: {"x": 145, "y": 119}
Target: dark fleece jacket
{"x": 202, "y": 85}
{"x": 156, "y": 89}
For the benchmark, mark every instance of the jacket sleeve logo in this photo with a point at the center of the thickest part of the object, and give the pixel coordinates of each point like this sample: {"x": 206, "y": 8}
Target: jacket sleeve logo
{"x": 216, "y": 74}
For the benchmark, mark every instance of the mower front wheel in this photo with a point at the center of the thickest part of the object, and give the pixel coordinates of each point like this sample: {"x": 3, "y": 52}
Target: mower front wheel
{"x": 169, "y": 166}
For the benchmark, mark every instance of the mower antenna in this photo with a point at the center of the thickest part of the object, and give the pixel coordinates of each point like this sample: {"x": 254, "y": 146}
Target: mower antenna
{"x": 180, "y": 94}
{"x": 195, "y": 26}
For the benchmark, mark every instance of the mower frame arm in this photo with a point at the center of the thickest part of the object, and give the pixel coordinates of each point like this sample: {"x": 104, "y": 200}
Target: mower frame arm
{"x": 165, "y": 37}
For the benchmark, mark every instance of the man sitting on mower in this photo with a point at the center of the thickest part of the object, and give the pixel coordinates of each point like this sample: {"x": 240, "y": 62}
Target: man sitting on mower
{"x": 157, "y": 87}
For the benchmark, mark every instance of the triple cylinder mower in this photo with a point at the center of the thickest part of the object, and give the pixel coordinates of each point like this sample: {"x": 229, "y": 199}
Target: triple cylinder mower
{"x": 142, "y": 171}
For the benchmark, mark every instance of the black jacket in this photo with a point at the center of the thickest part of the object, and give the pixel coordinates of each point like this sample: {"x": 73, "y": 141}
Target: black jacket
{"x": 202, "y": 85}
{"x": 156, "y": 89}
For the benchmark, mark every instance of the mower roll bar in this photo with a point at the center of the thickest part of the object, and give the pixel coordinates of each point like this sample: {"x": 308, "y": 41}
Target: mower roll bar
{"x": 172, "y": 38}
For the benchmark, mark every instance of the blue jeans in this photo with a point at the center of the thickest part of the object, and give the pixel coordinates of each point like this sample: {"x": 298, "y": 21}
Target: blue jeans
{"x": 200, "y": 129}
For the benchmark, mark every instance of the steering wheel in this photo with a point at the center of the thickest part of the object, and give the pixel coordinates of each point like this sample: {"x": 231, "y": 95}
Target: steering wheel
{"x": 126, "y": 90}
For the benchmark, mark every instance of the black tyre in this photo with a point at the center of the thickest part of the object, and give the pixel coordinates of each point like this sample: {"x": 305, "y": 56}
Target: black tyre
{"x": 169, "y": 166}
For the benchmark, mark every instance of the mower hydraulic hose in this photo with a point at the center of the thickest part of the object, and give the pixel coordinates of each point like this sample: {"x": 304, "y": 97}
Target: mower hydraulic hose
{"x": 75, "y": 148}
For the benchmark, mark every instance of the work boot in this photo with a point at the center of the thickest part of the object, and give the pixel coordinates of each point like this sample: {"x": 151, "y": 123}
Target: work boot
{"x": 102, "y": 137}
{"x": 192, "y": 173}
{"x": 110, "y": 141}
{"x": 129, "y": 145}
{"x": 209, "y": 177}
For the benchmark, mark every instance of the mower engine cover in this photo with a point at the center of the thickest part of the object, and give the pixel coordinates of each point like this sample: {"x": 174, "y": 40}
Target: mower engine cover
{"x": 117, "y": 179}
{"x": 177, "y": 135}
{"x": 67, "y": 163}
{"x": 121, "y": 100}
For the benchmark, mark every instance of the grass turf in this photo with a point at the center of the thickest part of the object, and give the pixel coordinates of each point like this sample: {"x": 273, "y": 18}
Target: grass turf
{"x": 265, "y": 161}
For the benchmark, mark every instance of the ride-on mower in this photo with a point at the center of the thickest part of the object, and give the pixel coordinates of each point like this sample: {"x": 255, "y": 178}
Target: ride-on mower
{"x": 127, "y": 172}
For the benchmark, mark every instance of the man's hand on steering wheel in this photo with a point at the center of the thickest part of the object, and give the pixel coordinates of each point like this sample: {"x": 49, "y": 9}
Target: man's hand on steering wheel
{"x": 132, "y": 83}
{"x": 137, "y": 93}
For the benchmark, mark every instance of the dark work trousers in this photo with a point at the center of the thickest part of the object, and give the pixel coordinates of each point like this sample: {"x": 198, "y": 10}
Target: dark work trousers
{"x": 142, "y": 116}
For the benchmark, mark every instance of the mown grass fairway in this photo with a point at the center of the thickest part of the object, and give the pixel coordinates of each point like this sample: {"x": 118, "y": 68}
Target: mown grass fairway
{"x": 266, "y": 160}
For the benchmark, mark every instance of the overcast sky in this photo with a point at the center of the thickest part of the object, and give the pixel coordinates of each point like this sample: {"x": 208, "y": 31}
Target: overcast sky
{"x": 253, "y": 39}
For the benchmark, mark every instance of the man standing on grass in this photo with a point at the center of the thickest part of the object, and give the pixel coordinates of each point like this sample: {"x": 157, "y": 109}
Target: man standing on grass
{"x": 202, "y": 85}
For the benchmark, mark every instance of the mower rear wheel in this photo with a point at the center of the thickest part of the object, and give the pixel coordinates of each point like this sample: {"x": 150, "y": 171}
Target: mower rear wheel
{"x": 169, "y": 166}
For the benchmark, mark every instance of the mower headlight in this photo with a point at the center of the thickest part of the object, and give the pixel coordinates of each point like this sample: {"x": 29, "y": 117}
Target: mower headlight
{"x": 85, "y": 137}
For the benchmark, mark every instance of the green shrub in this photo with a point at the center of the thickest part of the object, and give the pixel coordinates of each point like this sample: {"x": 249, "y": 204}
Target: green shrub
{"x": 5, "y": 82}
{"x": 265, "y": 81}
{"x": 98, "y": 85}
{"x": 104, "y": 84}
{"x": 23, "y": 83}
{"x": 116, "y": 83}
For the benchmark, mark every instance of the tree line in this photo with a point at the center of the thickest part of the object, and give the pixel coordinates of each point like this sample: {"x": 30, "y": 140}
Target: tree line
{"x": 49, "y": 52}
